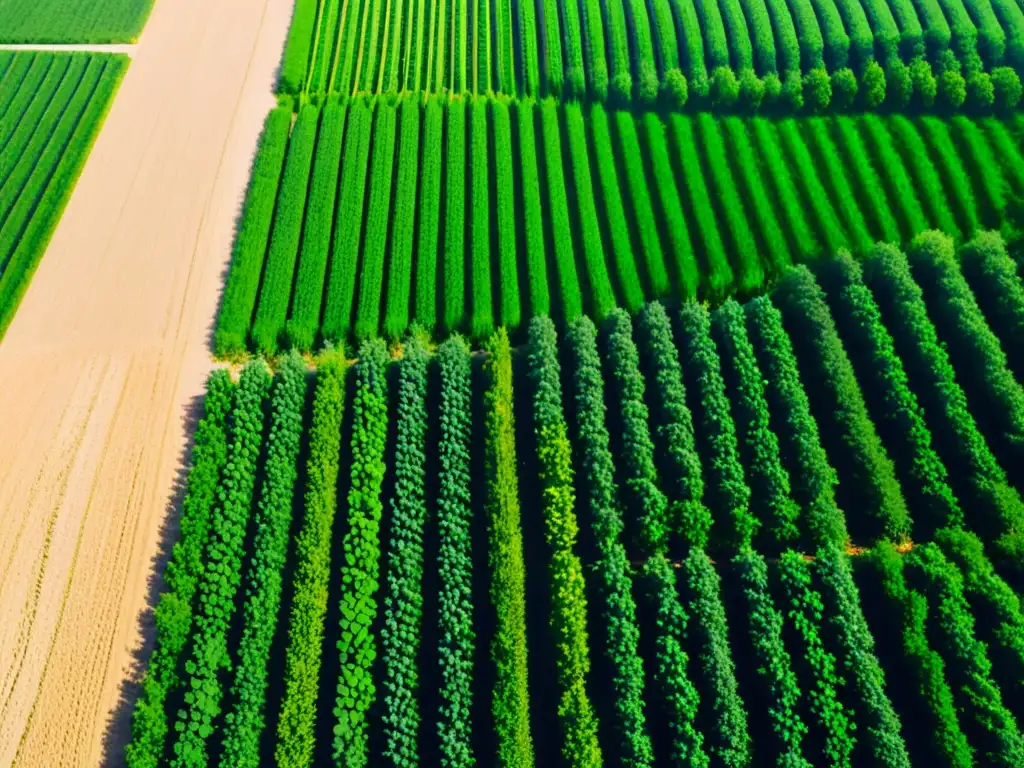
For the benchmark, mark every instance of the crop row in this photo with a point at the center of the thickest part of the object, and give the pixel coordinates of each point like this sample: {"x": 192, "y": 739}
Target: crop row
{"x": 744, "y": 54}
{"x": 72, "y": 21}
{"x": 51, "y": 108}
{"x": 648, "y": 525}
{"x": 410, "y": 214}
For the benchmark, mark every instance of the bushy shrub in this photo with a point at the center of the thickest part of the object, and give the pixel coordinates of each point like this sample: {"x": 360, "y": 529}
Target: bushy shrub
{"x": 599, "y": 503}
{"x": 1006, "y": 88}
{"x": 568, "y": 601}
{"x": 791, "y": 97}
{"x": 926, "y": 87}
{"x": 725, "y": 88}
{"x": 951, "y": 90}
{"x": 772, "y": 91}
{"x": 981, "y": 94}
{"x": 899, "y": 81}
{"x": 817, "y": 90}
{"x": 674, "y": 90}
{"x": 844, "y": 88}
{"x": 751, "y": 91}
{"x": 872, "y": 85}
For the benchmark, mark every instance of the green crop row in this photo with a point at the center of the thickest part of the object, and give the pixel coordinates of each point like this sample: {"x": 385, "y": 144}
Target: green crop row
{"x": 616, "y": 208}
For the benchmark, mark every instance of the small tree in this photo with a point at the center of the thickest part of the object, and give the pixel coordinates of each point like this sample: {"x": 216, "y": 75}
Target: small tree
{"x": 674, "y": 89}
{"x": 844, "y": 88}
{"x": 923, "y": 81}
{"x": 872, "y": 85}
{"x": 772, "y": 90}
{"x": 751, "y": 91}
{"x": 980, "y": 92}
{"x": 1006, "y": 88}
{"x": 792, "y": 95}
{"x": 817, "y": 90}
{"x": 725, "y": 88}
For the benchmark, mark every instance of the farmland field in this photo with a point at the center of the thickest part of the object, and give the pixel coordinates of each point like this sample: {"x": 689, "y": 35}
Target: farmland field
{"x": 635, "y": 207}
{"x": 52, "y": 106}
{"x": 783, "y": 53}
{"x": 72, "y": 21}
{"x": 777, "y": 532}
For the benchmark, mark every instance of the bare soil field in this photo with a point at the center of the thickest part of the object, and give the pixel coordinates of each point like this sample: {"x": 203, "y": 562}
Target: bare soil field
{"x": 103, "y": 366}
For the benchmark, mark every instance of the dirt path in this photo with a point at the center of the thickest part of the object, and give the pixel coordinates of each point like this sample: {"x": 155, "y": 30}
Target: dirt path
{"x": 103, "y": 366}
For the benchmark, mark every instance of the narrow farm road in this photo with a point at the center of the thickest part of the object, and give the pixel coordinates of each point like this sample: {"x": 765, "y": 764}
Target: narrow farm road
{"x": 103, "y": 368}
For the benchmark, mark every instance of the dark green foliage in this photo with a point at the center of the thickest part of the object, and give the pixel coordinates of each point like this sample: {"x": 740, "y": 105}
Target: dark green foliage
{"x": 678, "y": 460}
{"x": 751, "y": 92}
{"x": 565, "y": 570}
{"x": 297, "y": 724}
{"x": 645, "y": 503}
{"x": 218, "y": 587}
{"x": 728, "y": 738}
{"x": 973, "y": 347}
{"x": 725, "y": 88}
{"x": 403, "y": 605}
{"x": 954, "y": 174}
{"x": 855, "y": 21}
{"x": 815, "y": 198}
{"x": 716, "y": 47}
{"x": 867, "y": 475}
{"x": 243, "y": 279}
{"x": 679, "y": 698}
{"x": 988, "y": 723}
{"x": 835, "y": 177}
{"x": 762, "y": 39}
{"x": 1000, "y": 292}
{"x": 813, "y": 479}
{"x": 244, "y": 724}
{"x": 276, "y": 286}
{"x": 642, "y": 50}
{"x": 921, "y": 669}
{"x": 618, "y": 52}
{"x": 806, "y": 612}
{"x": 457, "y": 638}
{"x": 844, "y": 88}
{"x": 295, "y": 60}
{"x": 774, "y": 665}
{"x": 872, "y": 80}
{"x": 998, "y": 610}
{"x": 510, "y": 698}
{"x": 599, "y": 504}
{"x": 996, "y": 507}
{"x": 770, "y": 500}
{"x": 357, "y": 645}
{"x": 741, "y": 54}
{"x": 594, "y": 49}
{"x": 185, "y": 571}
{"x": 898, "y": 183}
{"x": 879, "y": 216}
{"x": 1006, "y": 87}
{"x": 817, "y": 90}
{"x": 893, "y": 404}
{"x": 674, "y": 89}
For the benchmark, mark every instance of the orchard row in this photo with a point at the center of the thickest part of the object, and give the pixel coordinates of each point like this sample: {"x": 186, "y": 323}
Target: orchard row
{"x": 628, "y": 545}
{"x": 626, "y": 50}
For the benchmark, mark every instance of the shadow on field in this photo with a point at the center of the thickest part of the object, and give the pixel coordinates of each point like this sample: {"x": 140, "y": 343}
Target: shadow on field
{"x": 118, "y": 727}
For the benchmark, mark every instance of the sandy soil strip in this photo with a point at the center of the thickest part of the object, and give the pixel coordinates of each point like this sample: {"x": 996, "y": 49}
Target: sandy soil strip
{"x": 101, "y": 373}
{"x": 127, "y": 48}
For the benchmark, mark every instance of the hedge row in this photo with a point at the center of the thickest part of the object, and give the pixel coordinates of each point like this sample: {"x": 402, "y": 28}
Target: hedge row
{"x": 219, "y": 586}
{"x": 357, "y": 644}
{"x": 510, "y": 698}
{"x": 599, "y": 503}
{"x": 244, "y": 724}
{"x": 296, "y": 725}
{"x": 558, "y": 498}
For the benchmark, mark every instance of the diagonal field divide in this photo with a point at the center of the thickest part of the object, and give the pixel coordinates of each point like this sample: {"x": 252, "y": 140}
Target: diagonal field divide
{"x": 106, "y": 355}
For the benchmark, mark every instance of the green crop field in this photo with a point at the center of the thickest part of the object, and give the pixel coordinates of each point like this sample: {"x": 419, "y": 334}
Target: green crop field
{"x": 72, "y": 21}
{"x": 726, "y": 53}
{"x": 565, "y": 210}
{"x": 780, "y": 532}
{"x": 51, "y": 108}
{"x": 614, "y": 382}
